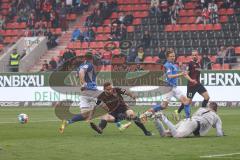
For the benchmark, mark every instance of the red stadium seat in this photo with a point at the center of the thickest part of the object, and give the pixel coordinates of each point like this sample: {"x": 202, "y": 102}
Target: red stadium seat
{"x": 70, "y": 45}
{"x": 213, "y": 58}
{"x": 99, "y": 29}
{"x": 200, "y": 27}
{"x": 191, "y": 20}
{"x": 107, "y": 30}
{"x": 226, "y": 66}
{"x": 183, "y": 12}
{"x": 183, "y": 20}
{"x": 217, "y": 27}
{"x": 223, "y": 19}
{"x": 148, "y": 59}
{"x": 176, "y": 28}
{"x": 216, "y": 67}
{"x": 230, "y": 11}
{"x": 107, "y": 22}
{"x": 191, "y": 13}
{"x": 169, "y": 28}
{"x": 84, "y": 45}
{"x": 192, "y": 27}
{"x": 137, "y": 21}
{"x": 222, "y": 11}
{"x": 156, "y": 59}
{"x": 209, "y": 27}
{"x": 130, "y": 28}
{"x": 180, "y": 59}
{"x": 114, "y": 15}
{"x": 185, "y": 27}
{"x": 237, "y": 50}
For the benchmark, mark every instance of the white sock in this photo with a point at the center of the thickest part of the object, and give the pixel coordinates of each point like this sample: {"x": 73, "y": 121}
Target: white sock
{"x": 160, "y": 127}
{"x": 170, "y": 125}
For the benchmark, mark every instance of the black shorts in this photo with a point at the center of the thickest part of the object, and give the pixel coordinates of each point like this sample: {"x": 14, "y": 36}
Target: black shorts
{"x": 191, "y": 90}
{"x": 120, "y": 112}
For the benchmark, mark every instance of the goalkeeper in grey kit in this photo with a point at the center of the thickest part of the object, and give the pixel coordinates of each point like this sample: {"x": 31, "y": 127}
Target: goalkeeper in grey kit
{"x": 199, "y": 125}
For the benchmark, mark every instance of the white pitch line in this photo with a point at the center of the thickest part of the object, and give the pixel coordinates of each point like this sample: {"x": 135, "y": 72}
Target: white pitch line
{"x": 220, "y": 155}
{"x": 31, "y": 121}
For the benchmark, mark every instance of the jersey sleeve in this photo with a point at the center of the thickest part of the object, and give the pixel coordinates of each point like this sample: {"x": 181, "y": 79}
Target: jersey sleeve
{"x": 218, "y": 126}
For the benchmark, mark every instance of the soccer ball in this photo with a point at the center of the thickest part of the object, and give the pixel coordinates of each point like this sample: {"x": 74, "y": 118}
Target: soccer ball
{"x": 23, "y": 118}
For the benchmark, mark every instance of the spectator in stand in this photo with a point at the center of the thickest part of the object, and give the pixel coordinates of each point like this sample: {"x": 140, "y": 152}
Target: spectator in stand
{"x": 221, "y": 55}
{"x": 139, "y": 68}
{"x": 205, "y": 62}
{"x": 121, "y": 32}
{"x": 162, "y": 54}
{"x": 89, "y": 35}
{"x": 31, "y": 21}
{"x": 204, "y": 17}
{"x": 46, "y": 7}
{"x": 76, "y": 35}
{"x": 213, "y": 10}
{"x": 2, "y": 21}
{"x": 52, "y": 39}
{"x": 174, "y": 11}
{"x": 98, "y": 19}
{"x": 113, "y": 5}
{"x": 140, "y": 55}
{"x": 128, "y": 19}
{"x": 63, "y": 16}
{"x": 54, "y": 19}
{"x": 154, "y": 8}
{"x": 53, "y": 64}
{"x": 230, "y": 56}
{"x": 68, "y": 56}
{"x": 132, "y": 55}
{"x": 146, "y": 39}
{"x": 227, "y": 4}
{"x": 45, "y": 67}
{"x": 165, "y": 12}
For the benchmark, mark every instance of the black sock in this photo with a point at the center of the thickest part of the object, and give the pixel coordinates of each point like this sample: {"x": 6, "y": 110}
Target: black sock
{"x": 102, "y": 124}
{"x": 140, "y": 125}
{"x": 204, "y": 103}
{"x": 180, "y": 108}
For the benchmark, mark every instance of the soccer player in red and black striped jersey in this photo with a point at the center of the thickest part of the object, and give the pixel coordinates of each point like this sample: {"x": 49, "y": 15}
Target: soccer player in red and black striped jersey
{"x": 194, "y": 69}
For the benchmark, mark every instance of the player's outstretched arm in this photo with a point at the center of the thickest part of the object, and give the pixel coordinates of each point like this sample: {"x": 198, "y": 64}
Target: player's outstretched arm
{"x": 130, "y": 95}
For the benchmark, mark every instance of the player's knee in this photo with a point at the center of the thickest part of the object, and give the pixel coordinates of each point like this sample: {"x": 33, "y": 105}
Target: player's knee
{"x": 130, "y": 113}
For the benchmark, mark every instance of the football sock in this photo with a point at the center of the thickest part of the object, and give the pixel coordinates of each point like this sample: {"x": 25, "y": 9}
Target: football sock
{"x": 140, "y": 125}
{"x": 102, "y": 124}
{"x": 157, "y": 107}
{"x": 118, "y": 124}
{"x": 204, "y": 103}
{"x": 180, "y": 108}
{"x": 159, "y": 127}
{"x": 76, "y": 118}
{"x": 187, "y": 110}
{"x": 170, "y": 125}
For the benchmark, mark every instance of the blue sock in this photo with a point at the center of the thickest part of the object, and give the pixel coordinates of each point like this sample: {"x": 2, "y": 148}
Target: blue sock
{"x": 156, "y": 107}
{"x": 76, "y": 118}
{"x": 187, "y": 110}
{"x": 118, "y": 124}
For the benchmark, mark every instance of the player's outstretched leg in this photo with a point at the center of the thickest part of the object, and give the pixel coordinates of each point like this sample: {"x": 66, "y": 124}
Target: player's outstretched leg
{"x": 177, "y": 112}
{"x": 138, "y": 122}
{"x": 76, "y": 118}
{"x": 155, "y": 108}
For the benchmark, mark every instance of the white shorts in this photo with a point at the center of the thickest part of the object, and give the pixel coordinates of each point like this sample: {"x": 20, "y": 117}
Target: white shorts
{"x": 175, "y": 92}
{"x": 185, "y": 128}
{"x": 87, "y": 103}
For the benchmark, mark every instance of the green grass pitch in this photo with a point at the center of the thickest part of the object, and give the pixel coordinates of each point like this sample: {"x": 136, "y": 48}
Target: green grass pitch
{"x": 40, "y": 140}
